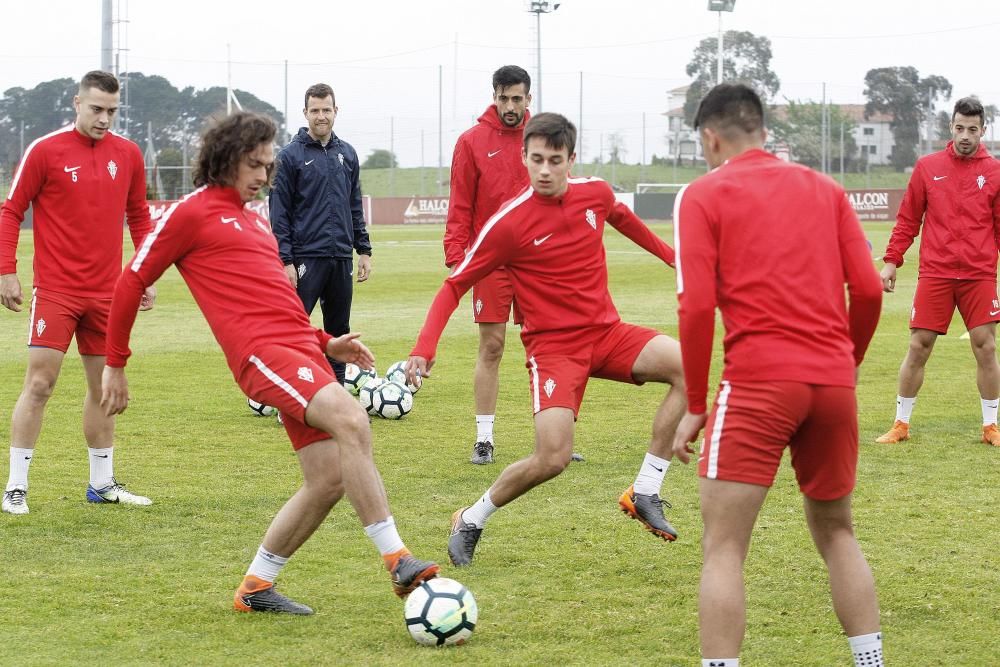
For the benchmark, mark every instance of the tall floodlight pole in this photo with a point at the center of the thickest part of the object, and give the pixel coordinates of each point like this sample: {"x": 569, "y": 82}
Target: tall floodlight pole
{"x": 107, "y": 41}
{"x": 539, "y": 7}
{"x": 720, "y": 6}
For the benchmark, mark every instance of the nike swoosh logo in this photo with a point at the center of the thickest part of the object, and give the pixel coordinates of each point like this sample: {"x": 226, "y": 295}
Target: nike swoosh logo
{"x": 310, "y": 162}
{"x": 938, "y": 178}
{"x": 542, "y": 240}
{"x": 493, "y": 153}
{"x": 101, "y": 456}
{"x": 226, "y": 220}
{"x": 994, "y": 313}
{"x": 655, "y": 468}
{"x": 70, "y": 169}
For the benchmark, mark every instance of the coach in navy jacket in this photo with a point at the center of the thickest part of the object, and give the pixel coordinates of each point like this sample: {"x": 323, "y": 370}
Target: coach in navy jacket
{"x": 317, "y": 218}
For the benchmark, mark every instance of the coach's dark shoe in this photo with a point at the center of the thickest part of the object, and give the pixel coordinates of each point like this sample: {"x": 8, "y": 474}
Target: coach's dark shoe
{"x": 482, "y": 453}
{"x": 255, "y": 594}
{"x": 409, "y": 572}
{"x": 463, "y": 539}
{"x": 648, "y": 509}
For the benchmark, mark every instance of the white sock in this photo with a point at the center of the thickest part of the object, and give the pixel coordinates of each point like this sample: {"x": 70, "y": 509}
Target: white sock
{"x": 102, "y": 466}
{"x": 484, "y": 428}
{"x": 867, "y": 650}
{"x": 904, "y": 408}
{"x": 266, "y": 565}
{"x": 385, "y": 536}
{"x": 20, "y": 459}
{"x": 720, "y": 662}
{"x": 480, "y": 512}
{"x": 989, "y": 410}
{"x": 651, "y": 474}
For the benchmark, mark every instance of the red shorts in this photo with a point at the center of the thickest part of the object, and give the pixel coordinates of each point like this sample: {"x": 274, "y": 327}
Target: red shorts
{"x": 287, "y": 378}
{"x": 935, "y": 301}
{"x": 560, "y": 364}
{"x": 752, "y": 423}
{"x": 492, "y": 298}
{"x": 56, "y": 317}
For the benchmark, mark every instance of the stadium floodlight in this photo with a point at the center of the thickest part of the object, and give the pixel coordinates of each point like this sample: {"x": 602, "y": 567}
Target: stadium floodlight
{"x": 720, "y": 6}
{"x": 539, "y": 7}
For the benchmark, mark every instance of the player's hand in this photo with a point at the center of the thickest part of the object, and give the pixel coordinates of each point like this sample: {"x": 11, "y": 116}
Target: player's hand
{"x": 417, "y": 367}
{"x": 114, "y": 391}
{"x": 148, "y": 298}
{"x": 349, "y": 349}
{"x": 364, "y": 267}
{"x": 293, "y": 276}
{"x": 888, "y": 275}
{"x": 10, "y": 292}
{"x": 687, "y": 432}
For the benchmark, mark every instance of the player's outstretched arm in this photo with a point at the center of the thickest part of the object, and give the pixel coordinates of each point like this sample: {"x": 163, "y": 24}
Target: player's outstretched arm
{"x": 114, "y": 391}
{"x": 10, "y": 292}
{"x": 349, "y": 349}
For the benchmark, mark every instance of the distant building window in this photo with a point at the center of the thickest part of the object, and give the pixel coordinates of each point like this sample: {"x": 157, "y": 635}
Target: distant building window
{"x": 868, "y": 131}
{"x": 872, "y": 150}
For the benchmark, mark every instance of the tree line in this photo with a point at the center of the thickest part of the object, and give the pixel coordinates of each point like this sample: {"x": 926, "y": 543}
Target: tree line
{"x": 900, "y": 92}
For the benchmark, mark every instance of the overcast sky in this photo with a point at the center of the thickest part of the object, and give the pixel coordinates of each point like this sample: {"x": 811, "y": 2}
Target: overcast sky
{"x": 382, "y": 57}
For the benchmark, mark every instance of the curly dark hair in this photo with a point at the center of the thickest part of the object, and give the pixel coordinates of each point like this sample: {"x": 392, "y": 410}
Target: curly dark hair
{"x": 225, "y": 142}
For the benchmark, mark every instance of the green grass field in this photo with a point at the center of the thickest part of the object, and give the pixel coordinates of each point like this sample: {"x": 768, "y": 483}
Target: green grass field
{"x": 423, "y": 180}
{"x": 561, "y": 576}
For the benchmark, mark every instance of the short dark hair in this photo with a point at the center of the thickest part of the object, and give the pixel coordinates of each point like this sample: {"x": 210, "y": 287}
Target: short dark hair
{"x": 511, "y": 75}
{"x": 555, "y": 128}
{"x": 226, "y": 141}
{"x": 319, "y": 91}
{"x": 730, "y": 107}
{"x": 969, "y": 106}
{"x": 100, "y": 80}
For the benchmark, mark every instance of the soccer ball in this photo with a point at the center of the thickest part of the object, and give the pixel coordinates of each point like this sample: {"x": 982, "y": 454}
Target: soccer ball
{"x": 441, "y": 612}
{"x": 260, "y": 409}
{"x": 355, "y": 378}
{"x": 391, "y": 400}
{"x": 366, "y": 397}
{"x": 397, "y": 373}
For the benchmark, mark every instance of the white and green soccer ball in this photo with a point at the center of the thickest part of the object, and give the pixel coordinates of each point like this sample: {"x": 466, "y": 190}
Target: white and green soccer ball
{"x": 260, "y": 409}
{"x": 355, "y": 378}
{"x": 397, "y": 373}
{"x": 441, "y": 612}
{"x": 391, "y": 400}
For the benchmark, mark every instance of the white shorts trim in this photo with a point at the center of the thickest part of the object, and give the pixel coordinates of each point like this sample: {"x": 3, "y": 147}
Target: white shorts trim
{"x": 277, "y": 380}
{"x": 722, "y": 402}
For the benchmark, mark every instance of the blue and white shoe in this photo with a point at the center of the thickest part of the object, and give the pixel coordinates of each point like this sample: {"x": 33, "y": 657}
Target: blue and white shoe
{"x": 115, "y": 493}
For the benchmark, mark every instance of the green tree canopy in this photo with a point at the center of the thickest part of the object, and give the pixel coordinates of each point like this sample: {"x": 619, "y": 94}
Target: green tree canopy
{"x": 800, "y": 126}
{"x": 380, "y": 158}
{"x": 746, "y": 58}
{"x": 901, "y": 93}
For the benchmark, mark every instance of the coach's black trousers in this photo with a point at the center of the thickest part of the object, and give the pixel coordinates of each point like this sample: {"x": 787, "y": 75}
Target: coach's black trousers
{"x": 331, "y": 282}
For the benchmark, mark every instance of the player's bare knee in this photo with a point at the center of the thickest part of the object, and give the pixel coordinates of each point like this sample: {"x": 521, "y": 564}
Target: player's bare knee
{"x": 38, "y": 387}
{"x": 491, "y": 351}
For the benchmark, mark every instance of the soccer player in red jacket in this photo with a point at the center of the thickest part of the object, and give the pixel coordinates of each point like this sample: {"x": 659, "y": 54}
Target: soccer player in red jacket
{"x": 80, "y": 181}
{"x": 954, "y": 196}
{"x": 771, "y": 245}
{"x": 274, "y": 353}
{"x": 486, "y": 171}
{"x": 550, "y": 240}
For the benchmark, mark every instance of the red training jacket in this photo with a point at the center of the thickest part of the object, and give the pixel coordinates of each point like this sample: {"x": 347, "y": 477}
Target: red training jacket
{"x": 486, "y": 171}
{"x": 229, "y": 260}
{"x": 80, "y": 190}
{"x": 553, "y": 251}
{"x": 956, "y": 199}
{"x": 771, "y": 244}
